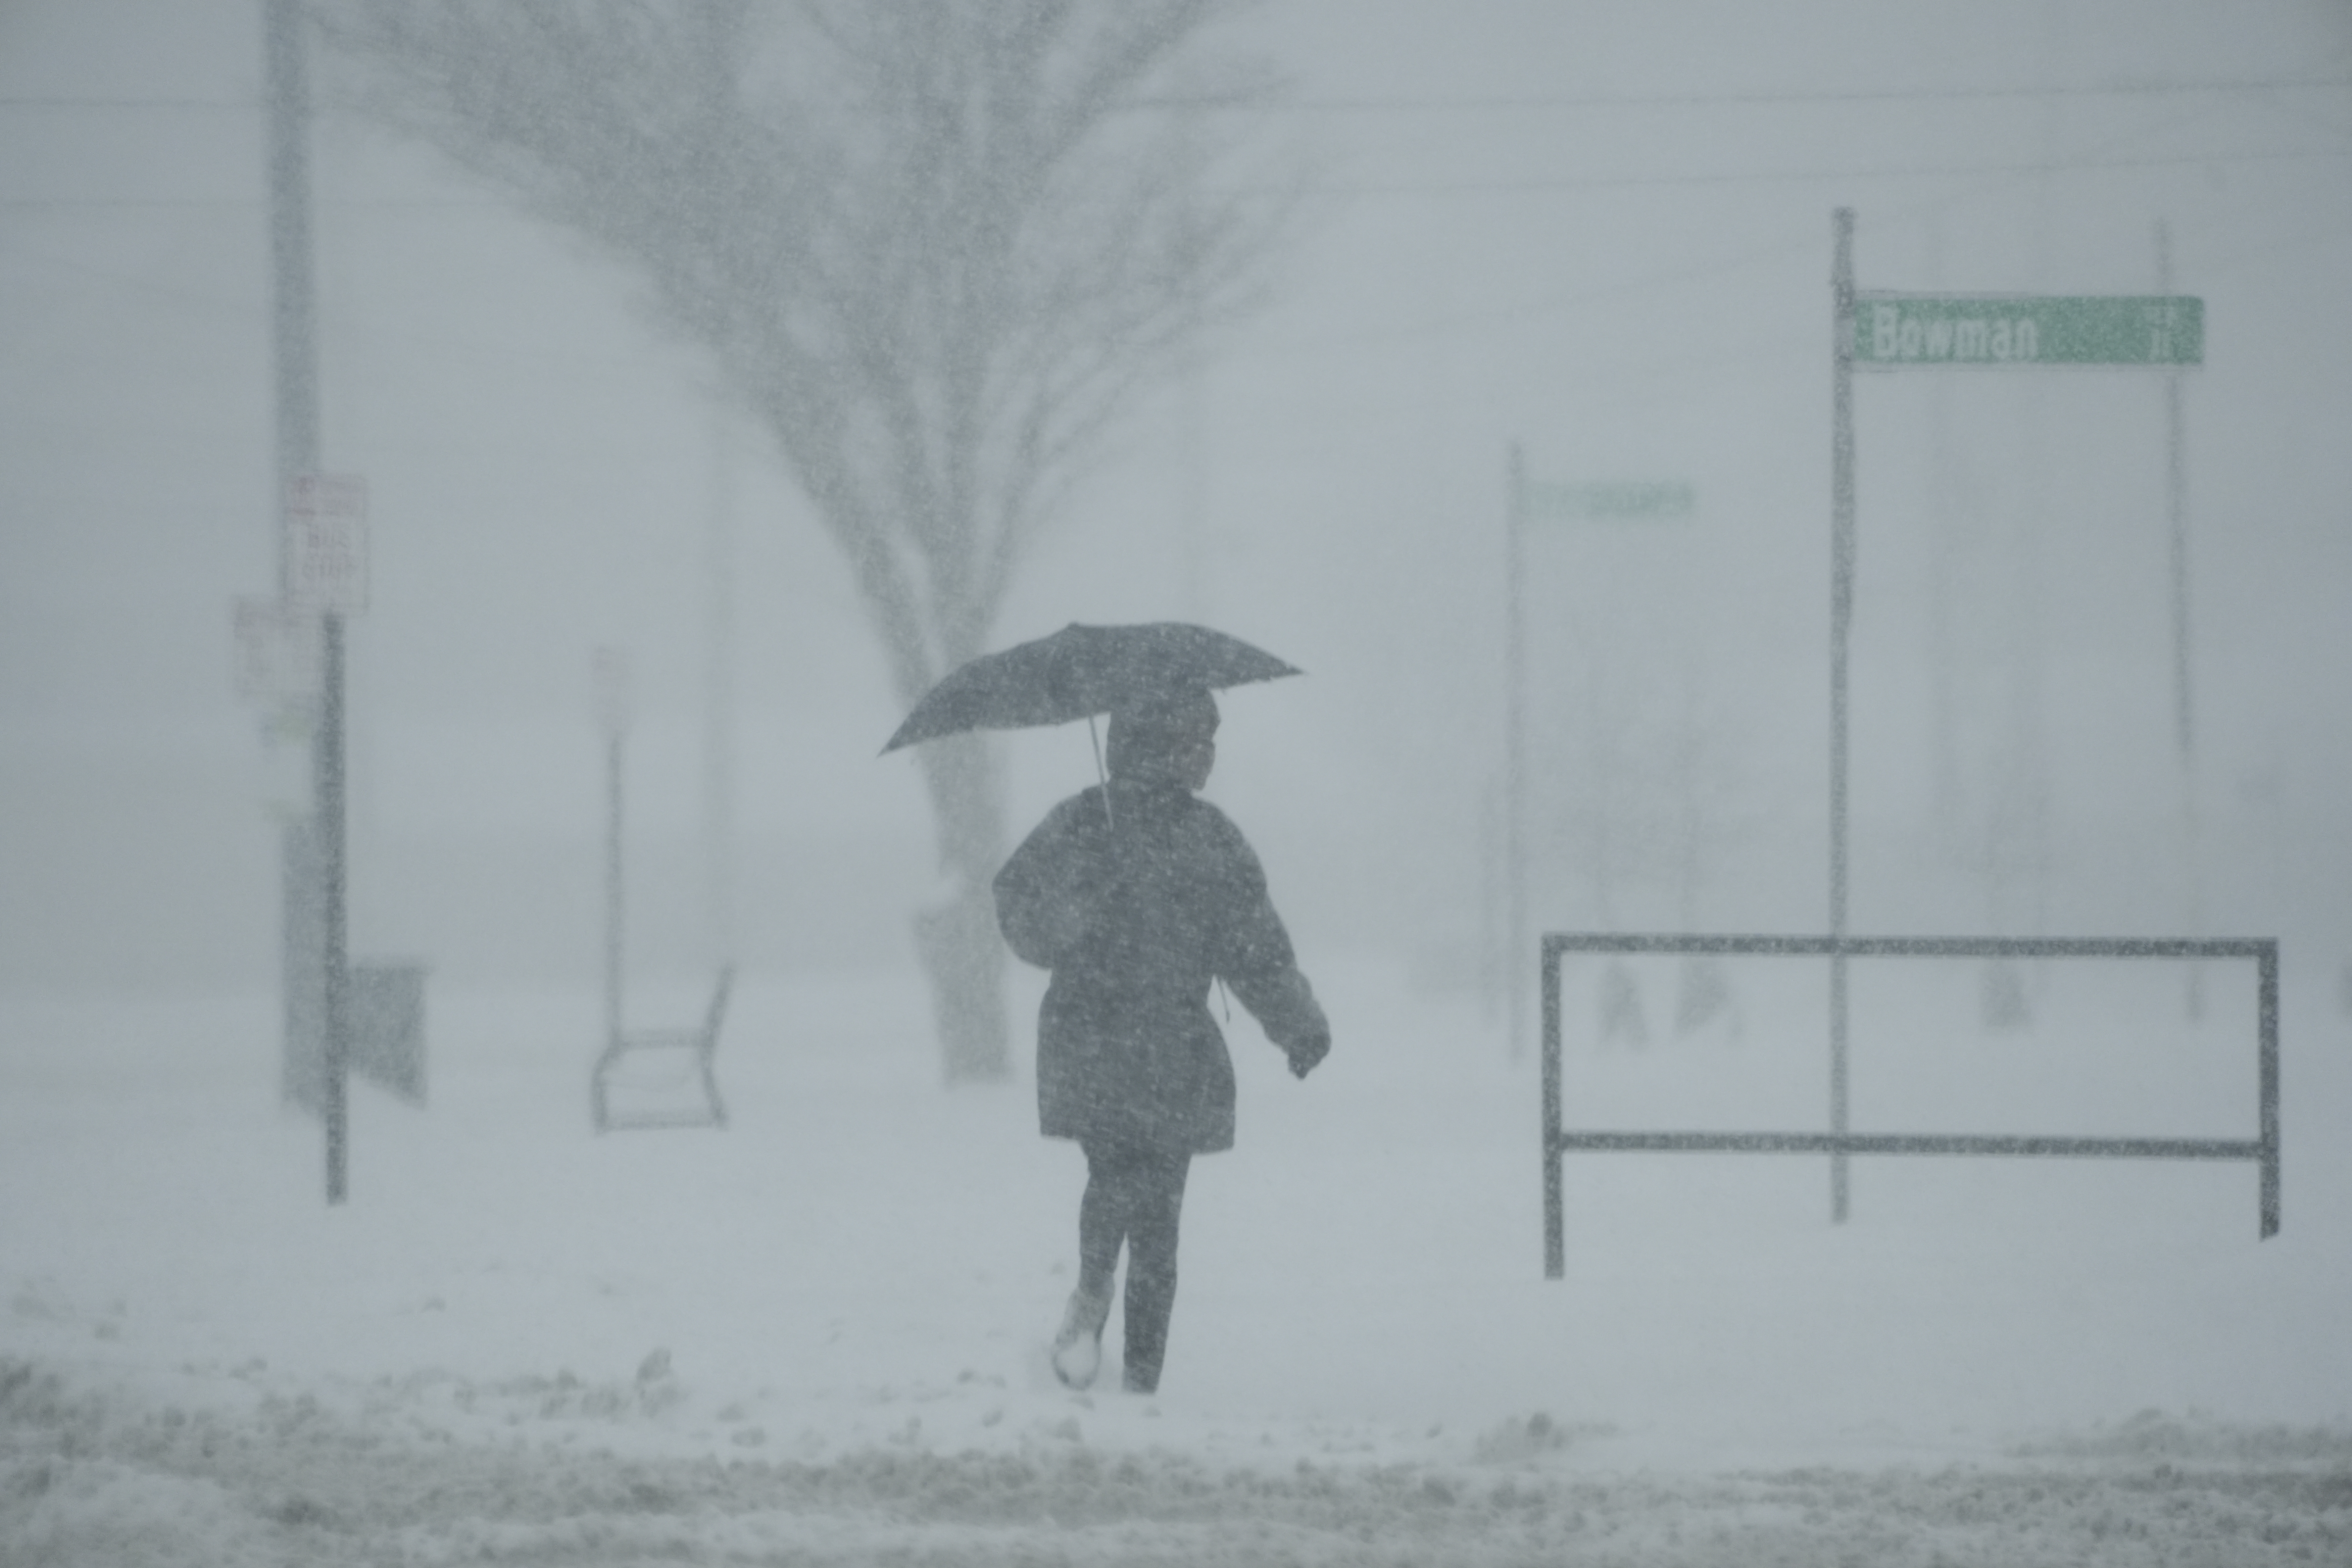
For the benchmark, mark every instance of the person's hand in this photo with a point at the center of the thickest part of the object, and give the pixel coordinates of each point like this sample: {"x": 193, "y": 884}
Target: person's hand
{"x": 1308, "y": 1052}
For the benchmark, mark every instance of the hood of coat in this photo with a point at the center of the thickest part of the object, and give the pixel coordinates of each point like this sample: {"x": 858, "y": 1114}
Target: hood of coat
{"x": 1167, "y": 740}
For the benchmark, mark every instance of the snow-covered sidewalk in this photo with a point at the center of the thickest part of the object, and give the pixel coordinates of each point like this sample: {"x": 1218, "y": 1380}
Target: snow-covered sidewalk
{"x": 440, "y": 1471}
{"x": 817, "y": 1336}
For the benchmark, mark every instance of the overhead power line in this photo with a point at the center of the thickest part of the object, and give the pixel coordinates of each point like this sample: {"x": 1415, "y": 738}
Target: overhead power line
{"x": 237, "y": 105}
{"x": 1491, "y": 103}
{"x": 1782, "y": 176}
{"x": 1505, "y": 103}
{"x": 1406, "y": 188}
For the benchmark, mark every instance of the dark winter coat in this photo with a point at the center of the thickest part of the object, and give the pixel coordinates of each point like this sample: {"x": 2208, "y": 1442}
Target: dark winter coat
{"x": 1135, "y": 922}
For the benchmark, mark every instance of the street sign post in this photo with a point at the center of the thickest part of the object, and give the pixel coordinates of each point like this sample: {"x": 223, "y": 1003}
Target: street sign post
{"x": 1904, "y": 332}
{"x": 324, "y": 563}
{"x": 1879, "y": 330}
{"x": 341, "y": 1017}
{"x": 609, "y": 666}
{"x": 1529, "y": 501}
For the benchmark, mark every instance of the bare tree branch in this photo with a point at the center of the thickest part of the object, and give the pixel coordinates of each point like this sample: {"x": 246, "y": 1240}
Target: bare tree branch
{"x": 937, "y": 246}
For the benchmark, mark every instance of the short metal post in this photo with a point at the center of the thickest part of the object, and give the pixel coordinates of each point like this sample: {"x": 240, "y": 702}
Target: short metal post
{"x": 613, "y": 886}
{"x": 1555, "y": 1219}
{"x": 1840, "y": 1187}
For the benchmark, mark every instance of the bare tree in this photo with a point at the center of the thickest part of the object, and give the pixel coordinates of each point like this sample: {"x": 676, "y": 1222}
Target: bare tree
{"x": 936, "y": 247}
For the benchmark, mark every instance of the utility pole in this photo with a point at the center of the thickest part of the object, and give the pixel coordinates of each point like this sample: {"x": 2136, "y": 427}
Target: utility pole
{"x": 294, "y": 305}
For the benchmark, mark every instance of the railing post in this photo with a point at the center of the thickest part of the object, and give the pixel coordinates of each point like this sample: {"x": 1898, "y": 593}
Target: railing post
{"x": 2267, "y": 965}
{"x": 1554, "y": 1220}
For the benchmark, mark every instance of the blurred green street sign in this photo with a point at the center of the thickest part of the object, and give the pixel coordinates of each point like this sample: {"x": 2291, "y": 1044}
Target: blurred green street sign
{"x": 1919, "y": 331}
{"x": 1645, "y": 499}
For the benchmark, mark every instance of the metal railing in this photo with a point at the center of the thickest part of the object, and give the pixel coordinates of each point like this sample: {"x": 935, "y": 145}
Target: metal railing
{"x": 1840, "y": 1141}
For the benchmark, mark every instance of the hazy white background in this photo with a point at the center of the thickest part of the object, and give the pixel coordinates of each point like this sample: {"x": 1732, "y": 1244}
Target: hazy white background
{"x": 1599, "y": 229}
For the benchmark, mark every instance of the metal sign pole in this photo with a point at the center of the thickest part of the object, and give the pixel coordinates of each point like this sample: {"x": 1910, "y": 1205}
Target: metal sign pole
{"x": 2178, "y": 516}
{"x": 719, "y": 706}
{"x": 1946, "y": 331}
{"x": 1841, "y": 550}
{"x": 611, "y": 671}
{"x": 2183, "y": 714}
{"x": 326, "y": 556}
{"x": 329, "y": 756}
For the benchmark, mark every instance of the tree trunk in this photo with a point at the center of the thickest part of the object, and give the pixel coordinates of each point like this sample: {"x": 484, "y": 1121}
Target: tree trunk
{"x": 957, "y": 941}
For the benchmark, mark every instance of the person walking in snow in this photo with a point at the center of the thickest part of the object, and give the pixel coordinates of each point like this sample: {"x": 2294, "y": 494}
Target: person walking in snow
{"x": 1137, "y": 894}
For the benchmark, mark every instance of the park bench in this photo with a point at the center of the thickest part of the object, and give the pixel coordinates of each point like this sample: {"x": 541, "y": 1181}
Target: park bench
{"x": 664, "y": 1076}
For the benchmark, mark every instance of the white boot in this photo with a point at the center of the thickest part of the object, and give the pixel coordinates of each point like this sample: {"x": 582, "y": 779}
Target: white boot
{"x": 1077, "y": 1348}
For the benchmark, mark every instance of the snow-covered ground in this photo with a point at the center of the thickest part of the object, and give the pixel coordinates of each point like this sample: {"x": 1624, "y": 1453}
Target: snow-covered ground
{"x": 817, "y": 1336}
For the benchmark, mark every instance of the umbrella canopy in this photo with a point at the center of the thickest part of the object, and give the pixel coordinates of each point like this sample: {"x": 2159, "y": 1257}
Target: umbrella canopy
{"x": 1080, "y": 671}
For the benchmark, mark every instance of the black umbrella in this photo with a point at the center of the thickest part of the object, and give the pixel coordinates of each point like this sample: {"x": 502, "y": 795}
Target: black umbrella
{"x": 1080, "y": 671}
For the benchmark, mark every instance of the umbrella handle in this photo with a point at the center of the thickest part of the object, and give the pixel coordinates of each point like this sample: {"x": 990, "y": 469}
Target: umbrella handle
{"x": 1109, "y": 820}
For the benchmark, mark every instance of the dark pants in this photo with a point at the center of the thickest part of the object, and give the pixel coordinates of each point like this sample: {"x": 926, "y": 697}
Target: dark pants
{"x": 1135, "y": 1195}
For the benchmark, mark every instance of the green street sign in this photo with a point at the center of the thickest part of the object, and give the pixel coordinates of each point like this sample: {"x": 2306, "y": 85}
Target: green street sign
{"x": 1634, "y": 499}
{"x": 1916, "y": 332}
